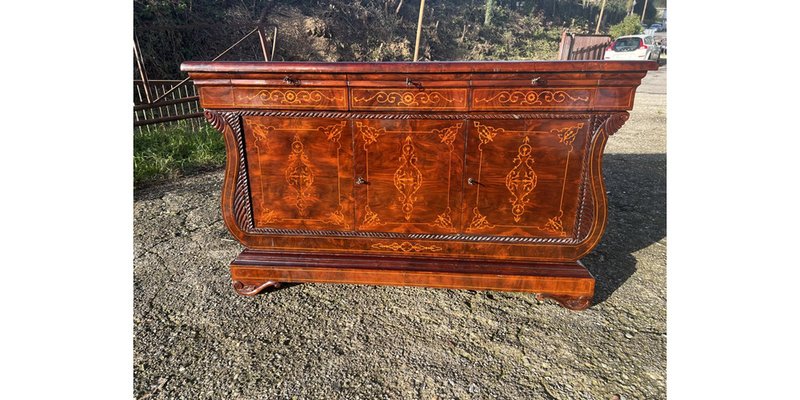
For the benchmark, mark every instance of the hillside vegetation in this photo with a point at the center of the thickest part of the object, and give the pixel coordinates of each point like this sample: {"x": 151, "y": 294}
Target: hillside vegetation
{"x": 172, "y": 31}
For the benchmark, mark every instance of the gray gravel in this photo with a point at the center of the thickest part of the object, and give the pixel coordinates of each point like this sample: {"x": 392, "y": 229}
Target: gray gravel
{"x": 195, "y": 338}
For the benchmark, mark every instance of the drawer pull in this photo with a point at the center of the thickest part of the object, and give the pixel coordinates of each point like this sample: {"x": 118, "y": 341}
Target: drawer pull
{"x": 535, "y": 81}
{"x": 292, "y": 81}
{"x": 361, "y": 181}
{"x": 410, "y": 82}
{"x": 472, "y": 181}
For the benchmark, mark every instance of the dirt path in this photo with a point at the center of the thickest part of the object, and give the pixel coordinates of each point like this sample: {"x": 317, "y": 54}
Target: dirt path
{"x": 195, "y": 338}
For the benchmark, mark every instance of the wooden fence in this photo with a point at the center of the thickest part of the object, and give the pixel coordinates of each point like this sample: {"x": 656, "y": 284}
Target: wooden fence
{"x": 181, "y": 104}
{"x": 582, "y": 47}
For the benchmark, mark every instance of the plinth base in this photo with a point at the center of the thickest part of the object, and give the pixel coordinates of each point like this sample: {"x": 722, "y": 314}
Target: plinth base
{"x": 569, "y": 283}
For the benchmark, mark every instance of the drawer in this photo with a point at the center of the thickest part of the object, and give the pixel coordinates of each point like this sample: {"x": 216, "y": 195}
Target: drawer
{"x": 290, "y": 98}
{"x": 528, "y": 98}
{"x": 286, "y": 92}
{"x": 398, "y": 92}
{"x": 425, "y": 99}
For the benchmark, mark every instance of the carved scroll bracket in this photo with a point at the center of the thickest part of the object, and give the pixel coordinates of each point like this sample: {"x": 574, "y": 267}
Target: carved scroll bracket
{"x": 613, "y": 123}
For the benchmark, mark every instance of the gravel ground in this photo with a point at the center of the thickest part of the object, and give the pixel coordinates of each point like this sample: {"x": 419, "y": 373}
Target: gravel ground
{"x": 195, "y": 338}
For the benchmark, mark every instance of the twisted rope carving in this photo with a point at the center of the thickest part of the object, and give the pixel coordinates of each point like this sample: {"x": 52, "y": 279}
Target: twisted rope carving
{"x": 601, "y": 125}
{"x": 440, "y": 116}
{"x": 215, "y": 119}
{"x": 242, "y": 209}
{"x": 414, "y": 236}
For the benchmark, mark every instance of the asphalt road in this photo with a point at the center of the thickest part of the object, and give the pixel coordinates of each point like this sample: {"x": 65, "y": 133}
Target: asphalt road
{"x": 195, "y": 338}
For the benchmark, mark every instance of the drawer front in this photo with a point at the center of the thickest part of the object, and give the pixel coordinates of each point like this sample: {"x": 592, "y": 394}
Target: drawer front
{"x": 290, "y": 98}
{"x": 412, "y": 171}
{"x": 300, "y": 172}
{"x": 524, "y": 176}
{"x": 532, "y": 98}
{"x": 396, "y": 99}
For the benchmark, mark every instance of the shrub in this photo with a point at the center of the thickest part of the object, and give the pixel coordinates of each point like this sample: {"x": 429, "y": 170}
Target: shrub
{"x": 629, "y": 26}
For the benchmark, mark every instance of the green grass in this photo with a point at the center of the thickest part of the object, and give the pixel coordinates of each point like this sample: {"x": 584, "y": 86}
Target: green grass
{"x": 172, "y": 151}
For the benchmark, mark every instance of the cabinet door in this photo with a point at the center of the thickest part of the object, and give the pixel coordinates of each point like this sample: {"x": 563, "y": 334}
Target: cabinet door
{"x": 524, "y": 176}
{"x": 411, "y": 174}
{"x": 300, "y": 172}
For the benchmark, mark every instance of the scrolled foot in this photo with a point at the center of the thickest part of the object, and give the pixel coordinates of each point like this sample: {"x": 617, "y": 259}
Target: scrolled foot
{"x": 252, "y": 290}
{"x": 570, "y": 302}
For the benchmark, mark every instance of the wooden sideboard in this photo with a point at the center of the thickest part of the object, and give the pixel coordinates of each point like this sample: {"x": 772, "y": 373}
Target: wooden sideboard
{"x": 474, "y": 175}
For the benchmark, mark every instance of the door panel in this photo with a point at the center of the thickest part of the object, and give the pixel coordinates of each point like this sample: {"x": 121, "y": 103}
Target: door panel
{"x": 301, "y": 172}
{"x": 524, "y": 176}
{"x": 412, "y": 171}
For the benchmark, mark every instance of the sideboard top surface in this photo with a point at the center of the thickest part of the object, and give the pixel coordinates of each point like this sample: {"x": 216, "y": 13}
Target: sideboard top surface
{"x": 418, "y": 67}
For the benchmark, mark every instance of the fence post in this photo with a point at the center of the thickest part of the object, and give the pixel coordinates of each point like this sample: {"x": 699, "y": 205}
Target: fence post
{"x": 571, "y": 44}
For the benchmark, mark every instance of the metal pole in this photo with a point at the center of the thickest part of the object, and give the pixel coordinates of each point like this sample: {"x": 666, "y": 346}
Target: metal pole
{"x": 600, "y": 18}
{"x": 419, "y": 28}
{"x": 274, "y": 40}
{"x": 263, "y": 41}
{"x": 644, "y": 10}
{"x": 140, "y": 63}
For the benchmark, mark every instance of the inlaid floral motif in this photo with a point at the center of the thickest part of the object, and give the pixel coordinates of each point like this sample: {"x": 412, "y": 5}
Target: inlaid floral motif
{"x": 291, "y": 96}
{"x": 333, "y": 132}
{"x": 555, "y": 225}
{"x": 521, "y": 180}
{"x": 486, "y": 133}
{"x": 300, "y": 176}
{"x": 337, "y": 218}
{"x": 405, "y": 98}
{"x": 369, "y": 134}
{"x": 532, "y": 97}
{"x": 370, "y": 218}
{"x": 567, "y": 135}
{"x": 478, "y": 221}
{"x": 405, "y": 247}
{"x": 407, "y": 177}
{"x": 444, "y": 220}
{"x": 448, "y": 135}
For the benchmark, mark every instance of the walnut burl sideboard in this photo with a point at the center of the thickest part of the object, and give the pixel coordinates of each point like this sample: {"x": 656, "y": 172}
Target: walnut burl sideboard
{"x": 470, "y": 175}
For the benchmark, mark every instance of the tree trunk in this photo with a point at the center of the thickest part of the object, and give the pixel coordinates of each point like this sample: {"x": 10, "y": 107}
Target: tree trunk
{"x": 487, "y": 19}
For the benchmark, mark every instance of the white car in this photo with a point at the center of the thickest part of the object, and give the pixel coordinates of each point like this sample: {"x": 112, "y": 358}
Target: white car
{"x": 633, "y": 47}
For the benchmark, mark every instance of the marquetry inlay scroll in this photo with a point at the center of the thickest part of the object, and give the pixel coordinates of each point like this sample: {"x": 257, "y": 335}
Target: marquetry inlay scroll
{"x": 405, "y": 98}
{"x": 333, "y": 132}
{"x": 300, "y": 176}
{"x": 337, "y": 218}
{"x": 567, "y": 135}
{"x": 293, "y": 97}
{"x": 369, "y": 134}
{"x": 532, "y": 97}
{"x": 407, "y": 177}
{"x": 554, "y": 225}
{"x": 405, "y": 247}
{"x": 521, "y": 180}
{"x": 478, "y": 221}
{"x": 448, "y": 135}
{"x": 268, "y": 216}
{"x": 370, "y": 218}
{"x": 486, "y": 133}
{"x": 444, "y": 220}
{"x": 262, "y": 132}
